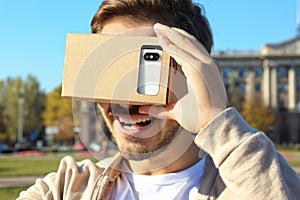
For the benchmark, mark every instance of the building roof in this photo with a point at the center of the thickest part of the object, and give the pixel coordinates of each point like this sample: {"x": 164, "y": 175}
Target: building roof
{"x": 287, "y": 47}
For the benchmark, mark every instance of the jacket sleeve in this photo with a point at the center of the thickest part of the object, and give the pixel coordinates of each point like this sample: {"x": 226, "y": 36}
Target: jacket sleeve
{"x": 73, "y": 180}
{"x": 247, "y": 161}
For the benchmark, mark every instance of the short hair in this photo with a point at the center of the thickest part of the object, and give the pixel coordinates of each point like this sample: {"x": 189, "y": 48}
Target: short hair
{"x": 183, "y": 14}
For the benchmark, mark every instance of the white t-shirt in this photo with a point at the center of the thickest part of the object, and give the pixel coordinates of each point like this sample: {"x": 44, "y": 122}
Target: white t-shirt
{"x": 180, "y": 185}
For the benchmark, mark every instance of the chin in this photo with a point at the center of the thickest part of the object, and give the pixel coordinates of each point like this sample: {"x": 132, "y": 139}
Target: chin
{"x": 138, "y": 136}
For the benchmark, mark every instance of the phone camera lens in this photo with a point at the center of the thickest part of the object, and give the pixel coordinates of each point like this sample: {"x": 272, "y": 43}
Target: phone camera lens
{"x": 151, "y": 56}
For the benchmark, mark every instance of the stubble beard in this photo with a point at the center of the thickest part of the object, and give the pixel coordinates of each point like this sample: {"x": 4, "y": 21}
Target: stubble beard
{"x": 138, "y": 151}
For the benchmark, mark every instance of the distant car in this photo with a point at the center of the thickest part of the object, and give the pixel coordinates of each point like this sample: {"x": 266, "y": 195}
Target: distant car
{"x": 79, "y": 146}
{"x": 3, "y": 147}
{"x": 94, "y": 146}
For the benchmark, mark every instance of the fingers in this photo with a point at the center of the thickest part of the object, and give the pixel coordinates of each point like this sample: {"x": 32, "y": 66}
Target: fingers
{"x": 187, "y": 61}
{"x": 159, "y": 112}
{"x": 185, "y": 49}
{"x": 206, "y": 91}
{"x": 183, "y": 40}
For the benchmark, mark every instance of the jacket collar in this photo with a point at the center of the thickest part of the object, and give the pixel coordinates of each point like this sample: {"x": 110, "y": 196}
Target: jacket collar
{"x": 105, "y": 183}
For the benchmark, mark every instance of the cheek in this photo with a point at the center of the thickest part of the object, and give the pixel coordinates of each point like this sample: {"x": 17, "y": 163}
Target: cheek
{"x": 108, "y": 120}
{"x": 104, "y": 107}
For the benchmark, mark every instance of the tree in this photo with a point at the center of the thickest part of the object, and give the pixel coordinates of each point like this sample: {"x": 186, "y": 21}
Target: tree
{"x": 11, "y": 105}
{"x": 258, "y": 115}
{"x": 58, "y": 113}
{"x": 3, "y": 115}
{"x": 10, "y": 90}
{"x": 34, "y": 106}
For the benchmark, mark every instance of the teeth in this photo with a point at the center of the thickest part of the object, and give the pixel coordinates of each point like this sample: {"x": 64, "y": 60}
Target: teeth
{"x": 129, "y": 127}
{"x": 133, "y": 120}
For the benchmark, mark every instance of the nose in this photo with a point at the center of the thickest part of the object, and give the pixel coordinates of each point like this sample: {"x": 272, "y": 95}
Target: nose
{"x": 129, "y": 109}
{"x": 127, "y": 106}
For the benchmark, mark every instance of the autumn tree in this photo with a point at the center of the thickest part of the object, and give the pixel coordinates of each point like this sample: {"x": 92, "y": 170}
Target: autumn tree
{"x": 58, "y": 113}
{"x": 258, "y": 115}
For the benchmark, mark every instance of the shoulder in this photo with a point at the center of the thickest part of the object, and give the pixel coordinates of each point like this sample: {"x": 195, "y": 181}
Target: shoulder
{"x": 69, "y": 164}
{"x": 72, "y": 180}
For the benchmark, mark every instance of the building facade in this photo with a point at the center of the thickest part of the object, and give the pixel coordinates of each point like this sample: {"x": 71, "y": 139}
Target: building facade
{"x": 273, "y": 74}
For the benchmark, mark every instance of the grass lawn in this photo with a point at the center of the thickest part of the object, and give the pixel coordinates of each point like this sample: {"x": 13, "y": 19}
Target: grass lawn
{"x": 292, "y": 155}
{"x": 32, "y": 165}
{"x": 26, "y": 166}
{"x": 10, "y": 193}
{"x": 22, "y": 166}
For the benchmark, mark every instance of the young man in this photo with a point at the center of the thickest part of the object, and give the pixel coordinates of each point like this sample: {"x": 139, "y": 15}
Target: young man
{"x": 197, "y": 148}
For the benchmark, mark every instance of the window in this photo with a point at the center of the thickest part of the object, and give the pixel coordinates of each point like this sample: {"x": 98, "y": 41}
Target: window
{"x": 282, "y": 72}
{"x": 298, "y": 87}
{"x": 258, "y": 71}
{"x": 226, "y": 73}
{"x": 298, "y": 71}
{"x": 281, "y": 87}
{"x": 258, "y": 87}
{"x": 243, "y": 86}
{"x": 242, "y": 72}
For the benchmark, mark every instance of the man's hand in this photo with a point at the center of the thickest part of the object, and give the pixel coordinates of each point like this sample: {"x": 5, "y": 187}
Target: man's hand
{"x": 206, "y": 92}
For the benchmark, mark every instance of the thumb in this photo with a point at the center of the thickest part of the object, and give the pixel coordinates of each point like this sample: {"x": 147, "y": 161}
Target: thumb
{"x": 159, "y": 112}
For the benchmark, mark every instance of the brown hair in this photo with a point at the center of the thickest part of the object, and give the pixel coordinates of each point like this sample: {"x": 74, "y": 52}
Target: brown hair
{"x": 182, "y": 14}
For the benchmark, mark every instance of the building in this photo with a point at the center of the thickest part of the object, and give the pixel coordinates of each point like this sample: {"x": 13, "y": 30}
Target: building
{"x": 272, "y": 73}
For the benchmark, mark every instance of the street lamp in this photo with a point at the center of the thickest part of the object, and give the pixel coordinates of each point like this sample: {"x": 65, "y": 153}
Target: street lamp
{"x": 20, "y": 115}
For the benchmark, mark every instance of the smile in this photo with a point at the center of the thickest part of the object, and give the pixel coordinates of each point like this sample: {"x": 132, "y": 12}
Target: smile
{"x": 129, "y": 121}
{"x": 132, "y": 124}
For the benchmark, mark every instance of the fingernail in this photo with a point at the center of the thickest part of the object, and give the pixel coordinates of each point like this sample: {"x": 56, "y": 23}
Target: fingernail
{"x": 160, "y": 26}
{"x": 144, "y": 109}
{"x": 165, "y": 40}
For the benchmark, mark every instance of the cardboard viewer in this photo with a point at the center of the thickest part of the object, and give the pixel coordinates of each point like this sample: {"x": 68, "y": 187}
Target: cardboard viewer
{"x": 106, "y": 68}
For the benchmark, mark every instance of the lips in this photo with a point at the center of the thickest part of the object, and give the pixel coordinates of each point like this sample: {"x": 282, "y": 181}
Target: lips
{"x": 132, "y": 124}
{"x": 134, "y": 120}
{"x": 129, "y": 121}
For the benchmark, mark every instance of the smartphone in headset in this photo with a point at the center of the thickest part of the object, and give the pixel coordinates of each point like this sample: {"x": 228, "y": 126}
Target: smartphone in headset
{"x": 149, "y": 70}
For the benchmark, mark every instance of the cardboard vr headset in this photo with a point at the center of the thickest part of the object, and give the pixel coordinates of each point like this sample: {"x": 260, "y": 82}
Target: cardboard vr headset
{"x": 120, "y": 69}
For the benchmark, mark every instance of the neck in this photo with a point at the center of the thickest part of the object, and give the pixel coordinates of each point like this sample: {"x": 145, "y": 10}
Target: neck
{"x": 180, "y": 154}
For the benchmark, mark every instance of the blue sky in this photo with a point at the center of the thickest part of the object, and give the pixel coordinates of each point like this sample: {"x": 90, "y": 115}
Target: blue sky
{"x": 33, "y": 32}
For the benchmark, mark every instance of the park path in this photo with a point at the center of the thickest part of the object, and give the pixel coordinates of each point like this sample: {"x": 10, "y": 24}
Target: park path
{"x": 17, "y": 181}
{"x": 25, "y": 181}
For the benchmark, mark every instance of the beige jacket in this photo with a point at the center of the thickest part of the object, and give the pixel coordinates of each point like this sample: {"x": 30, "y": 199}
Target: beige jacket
{"x": 241, "y": 164}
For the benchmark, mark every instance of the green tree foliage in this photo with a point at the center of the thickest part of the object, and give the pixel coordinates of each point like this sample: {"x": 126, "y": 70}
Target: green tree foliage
{"x": 58, "y": 113}
{"x": 10, "y": 90}
{"x": 258, "y": 115}
{"x": 35, "y": 104}
{"x": 3, "y": 113}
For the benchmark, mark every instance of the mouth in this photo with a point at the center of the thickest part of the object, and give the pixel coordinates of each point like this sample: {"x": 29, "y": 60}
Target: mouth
{"x": 130, "y": 122}
{"x": 133, "y": 125}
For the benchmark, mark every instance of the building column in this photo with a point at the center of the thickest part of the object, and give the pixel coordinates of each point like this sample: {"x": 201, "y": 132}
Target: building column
{"x": 250, "y": 87}
{"x": 87, "y": 119}
{"x": 274, "y": 88}
{"x": 266, "y": 83}
{"x": 292, "y": 91}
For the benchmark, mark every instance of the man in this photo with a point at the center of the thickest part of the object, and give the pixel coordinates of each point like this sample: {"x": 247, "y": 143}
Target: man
{"x": 197, "y": 148}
